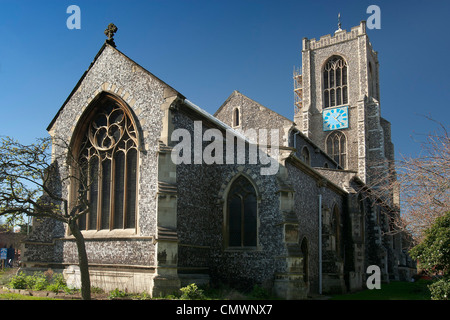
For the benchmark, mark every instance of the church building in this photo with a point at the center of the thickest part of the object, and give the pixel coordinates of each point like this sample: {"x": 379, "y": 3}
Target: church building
{"x": 242, "y": 197}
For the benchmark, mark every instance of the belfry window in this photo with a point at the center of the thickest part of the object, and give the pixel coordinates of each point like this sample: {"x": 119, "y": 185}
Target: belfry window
{"x": 108, "y": 150}
{"x": 336, "y": 145}
{"x": 335, "y": 87}
{"x": 241, "y": 225}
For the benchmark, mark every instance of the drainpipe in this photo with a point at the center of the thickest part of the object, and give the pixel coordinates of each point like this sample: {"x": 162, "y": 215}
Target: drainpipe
{"x": 320, "y": 244}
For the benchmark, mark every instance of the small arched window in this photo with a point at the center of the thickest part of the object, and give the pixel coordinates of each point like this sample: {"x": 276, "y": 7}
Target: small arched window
{"x": 241, "y": 221}
{"x": 107, "y": 150}
{"x": 305, "y": 155}
{"x": 236, "y": 117}
{"x": 335, "y": 87}
{"x": 336, "y": 145}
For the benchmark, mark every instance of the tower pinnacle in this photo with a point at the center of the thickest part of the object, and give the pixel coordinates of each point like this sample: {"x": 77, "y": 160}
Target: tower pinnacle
{"x": 339, "y": 23}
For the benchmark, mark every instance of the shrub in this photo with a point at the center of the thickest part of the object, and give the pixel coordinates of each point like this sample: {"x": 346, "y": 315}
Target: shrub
{"x": 440, "y": 290}
{"x": 35, "y": 282}
{"x": 58, "y": 283}
{"x": 192, "y": 292}
{"x": 116, "y": 293}
{"x": 59, "y": 280}
{"x": 433, "y": 252}
{"x": 19, "y": 281}
{"x": 38, "y": 281}
{"x": 97, "y": 290}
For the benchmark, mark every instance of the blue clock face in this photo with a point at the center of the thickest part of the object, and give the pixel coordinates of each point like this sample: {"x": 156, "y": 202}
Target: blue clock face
{"x": 335, "y": 118}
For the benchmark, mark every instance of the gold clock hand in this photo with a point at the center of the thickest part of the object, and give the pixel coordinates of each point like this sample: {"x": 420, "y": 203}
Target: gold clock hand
{"x": 337, "y": 120}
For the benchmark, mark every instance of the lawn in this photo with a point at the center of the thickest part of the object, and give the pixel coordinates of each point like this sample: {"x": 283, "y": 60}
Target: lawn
{"x": 396, "y": 290}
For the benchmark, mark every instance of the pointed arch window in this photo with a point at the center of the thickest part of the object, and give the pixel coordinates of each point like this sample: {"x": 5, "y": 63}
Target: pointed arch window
{"x": 241, "y": 228}
{"x": 108, "y": 150}
{"x": 336, "y": 147}
{"x": 335, "y": 86}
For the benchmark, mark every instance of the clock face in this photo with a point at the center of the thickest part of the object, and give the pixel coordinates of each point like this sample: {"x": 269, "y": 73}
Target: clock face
{"x": 335, "y": 118}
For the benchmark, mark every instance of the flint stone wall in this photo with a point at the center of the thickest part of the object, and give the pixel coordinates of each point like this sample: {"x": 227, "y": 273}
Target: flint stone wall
{"x": 143, "y": 93}
{"x": 200, "y": 218}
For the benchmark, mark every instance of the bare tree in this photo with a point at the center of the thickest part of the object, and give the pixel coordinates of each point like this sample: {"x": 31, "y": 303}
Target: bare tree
{"x": 31, "y": 183}
{"x": 418, "y": 185}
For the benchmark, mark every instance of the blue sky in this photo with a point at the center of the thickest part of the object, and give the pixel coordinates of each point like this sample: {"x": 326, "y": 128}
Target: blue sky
{"x": 207, "y": 49}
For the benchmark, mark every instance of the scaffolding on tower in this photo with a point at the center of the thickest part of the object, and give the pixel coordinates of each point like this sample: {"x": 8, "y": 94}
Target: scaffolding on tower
{"x": 298, "y": 89}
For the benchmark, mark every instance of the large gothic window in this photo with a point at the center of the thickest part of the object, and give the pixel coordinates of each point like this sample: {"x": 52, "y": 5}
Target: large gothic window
{"x": 335, "y": 87}
{"x": 242, "y": 214}
{"x": 108, "y": 150}
{"x": 336, "y": 147}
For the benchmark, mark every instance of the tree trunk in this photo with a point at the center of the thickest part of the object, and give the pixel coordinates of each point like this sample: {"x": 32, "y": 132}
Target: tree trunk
{"x": 82, "y": 260}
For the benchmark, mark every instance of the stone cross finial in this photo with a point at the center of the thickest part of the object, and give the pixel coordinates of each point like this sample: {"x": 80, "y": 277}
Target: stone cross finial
{"x": 109, "y": 32}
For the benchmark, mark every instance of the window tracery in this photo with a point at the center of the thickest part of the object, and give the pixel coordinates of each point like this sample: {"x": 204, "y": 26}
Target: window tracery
{"x": 336, "y": 145}
{"x": 242, "y": 214}
{"x": 109, "y": 152}
{"x": 335, "y": 86}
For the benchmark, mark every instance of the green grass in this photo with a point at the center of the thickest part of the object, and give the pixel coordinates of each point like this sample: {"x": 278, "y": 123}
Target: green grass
{"x": 18, "y": 296}
{"x": 397, "y": 290}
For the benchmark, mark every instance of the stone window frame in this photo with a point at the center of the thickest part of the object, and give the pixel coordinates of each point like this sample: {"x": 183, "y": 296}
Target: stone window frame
{"x": 340, "y": 155}
{"x": 225, "y": 230}
{"x": 330, "y": 87}
{"x": 77, "y": 143}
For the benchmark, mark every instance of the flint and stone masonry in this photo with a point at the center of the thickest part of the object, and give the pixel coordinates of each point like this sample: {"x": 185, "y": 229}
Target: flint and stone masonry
{"x": 315, "y": 229}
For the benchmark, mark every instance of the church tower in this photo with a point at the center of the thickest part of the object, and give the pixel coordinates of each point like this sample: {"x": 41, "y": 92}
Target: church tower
{"x": 337, "y": 101}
